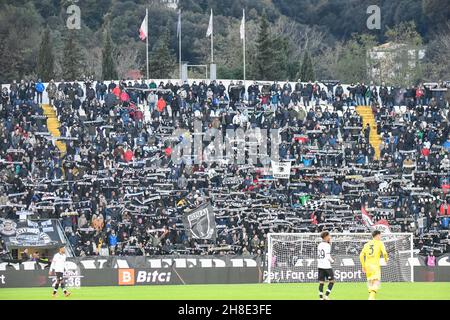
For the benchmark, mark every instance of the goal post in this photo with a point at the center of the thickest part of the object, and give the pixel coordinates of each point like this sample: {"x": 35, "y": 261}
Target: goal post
{"x": 292, "y": 257}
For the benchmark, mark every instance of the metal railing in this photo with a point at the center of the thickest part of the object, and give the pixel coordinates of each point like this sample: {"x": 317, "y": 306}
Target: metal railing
{"x": 69, "y": 250}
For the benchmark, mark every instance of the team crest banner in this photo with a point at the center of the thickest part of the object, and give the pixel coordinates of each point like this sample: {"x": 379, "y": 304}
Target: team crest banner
{"x": 201, "y": 223}
{"x": 24, "y": 234}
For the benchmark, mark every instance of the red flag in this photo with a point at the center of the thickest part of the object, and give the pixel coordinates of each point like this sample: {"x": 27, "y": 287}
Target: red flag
{"x": 367, "y": 219}
{"x": 143, "y": 31}
{"x": 381, "y": 225}
{"x": 313, "y": 218}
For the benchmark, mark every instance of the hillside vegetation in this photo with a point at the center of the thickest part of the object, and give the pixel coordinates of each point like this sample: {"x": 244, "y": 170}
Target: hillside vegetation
{"x": 332, "y": 32}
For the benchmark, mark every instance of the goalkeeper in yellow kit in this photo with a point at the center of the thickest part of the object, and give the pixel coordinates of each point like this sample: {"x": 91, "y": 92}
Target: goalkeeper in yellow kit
{"x": 370, "y": 261}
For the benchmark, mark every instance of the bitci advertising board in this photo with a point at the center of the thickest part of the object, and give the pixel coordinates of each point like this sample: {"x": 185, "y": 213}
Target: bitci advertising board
{"x": 135, "y": 271}
{"x": 131, "y": 277}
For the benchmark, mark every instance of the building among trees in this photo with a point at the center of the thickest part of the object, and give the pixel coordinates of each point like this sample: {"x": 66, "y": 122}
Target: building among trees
{"x": 173, "y": 4}
{"x": 395, "y": 63}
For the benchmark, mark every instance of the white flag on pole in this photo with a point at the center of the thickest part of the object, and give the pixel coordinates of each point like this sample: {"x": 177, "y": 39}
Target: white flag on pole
{"x": 179, "y": 24}
{"x": 210, "y": 26}
{"x": 243, "y": 26}
{"x": 143, "y": 31}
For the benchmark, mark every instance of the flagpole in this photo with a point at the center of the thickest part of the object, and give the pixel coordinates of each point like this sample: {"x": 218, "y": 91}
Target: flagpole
{"x": 212, "y": 38}
{"x": 245, "y": 75}
{"x": 146, "y": 15}
{"x": 179, "y": 44}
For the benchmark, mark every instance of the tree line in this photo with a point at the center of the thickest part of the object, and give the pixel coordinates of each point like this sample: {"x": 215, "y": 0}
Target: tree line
{"x": 285, "y": 39}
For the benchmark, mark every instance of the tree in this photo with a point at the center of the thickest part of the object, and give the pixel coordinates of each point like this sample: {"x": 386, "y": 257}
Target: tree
{"x": 284, "y": 67}
{"x": 350, "y": 61}
{"x": 72, "y": 58}
{"x": 46, "y": 61}
{"x": 127, "y": 59}
{"x": 265, "y": 53}
{"x": 406, "y": 55}
{"x": 438, "y": 56}
{"x": 437, "y": 13}
{"x": 19, "y": 44}
{"x": 162, "y": 61}
{"x": 307, "y": 70}
{"x": 109, "y": 71}
{"x": 327, "y": 62}
{"x": 406, "y": 33}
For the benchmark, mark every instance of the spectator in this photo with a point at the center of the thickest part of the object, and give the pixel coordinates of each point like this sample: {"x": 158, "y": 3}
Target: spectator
{"x": 431, "y": 260}
{"x": 39, "y": 90}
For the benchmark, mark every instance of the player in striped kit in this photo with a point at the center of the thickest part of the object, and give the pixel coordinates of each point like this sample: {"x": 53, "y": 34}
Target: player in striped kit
{"x": 324, "y": 262}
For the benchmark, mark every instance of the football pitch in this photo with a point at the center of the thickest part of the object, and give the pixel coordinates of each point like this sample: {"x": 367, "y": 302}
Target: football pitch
{"x": 341, "y": 291}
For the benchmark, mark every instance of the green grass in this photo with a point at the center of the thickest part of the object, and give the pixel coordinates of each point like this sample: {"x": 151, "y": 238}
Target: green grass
{"x": 341, "y": 291}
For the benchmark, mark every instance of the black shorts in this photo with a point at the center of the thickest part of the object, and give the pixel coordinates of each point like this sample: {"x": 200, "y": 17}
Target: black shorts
{"x": 59, "y": 276}
{"x": 326, "y": 275}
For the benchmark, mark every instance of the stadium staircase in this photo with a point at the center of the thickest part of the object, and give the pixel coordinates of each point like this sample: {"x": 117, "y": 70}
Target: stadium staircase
{"x": 53, "y": 127}
{"x": 368, "y": 118}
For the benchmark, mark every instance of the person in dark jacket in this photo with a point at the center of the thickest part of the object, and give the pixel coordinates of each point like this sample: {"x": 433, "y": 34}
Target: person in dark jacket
{"x": 339, "y": 91}
{"x": 307, "y": 93}
{"x": 90, "y": 93}
{"x": 384, "y": 91}
{"x": 22, "y": 91}
{"x": 367, "y": 132}
{"x": 359, "y": 94}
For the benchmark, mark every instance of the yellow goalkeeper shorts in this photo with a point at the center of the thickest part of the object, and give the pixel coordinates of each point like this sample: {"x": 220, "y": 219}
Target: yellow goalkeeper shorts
{"x": 373, "y": 272}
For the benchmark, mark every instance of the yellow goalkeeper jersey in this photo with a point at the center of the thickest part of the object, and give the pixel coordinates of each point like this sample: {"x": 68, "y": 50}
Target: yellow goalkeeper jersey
{"x": 371, "y": 253}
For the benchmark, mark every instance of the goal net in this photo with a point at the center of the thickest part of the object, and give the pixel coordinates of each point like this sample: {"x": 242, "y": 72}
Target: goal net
{"x": 293, "y": 257}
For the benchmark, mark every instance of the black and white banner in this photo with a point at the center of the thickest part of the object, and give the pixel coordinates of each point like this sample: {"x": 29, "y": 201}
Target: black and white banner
{"x": 192, "y": 262}
{"x": 281, "y": 170}
{"x": 200, "y": 223}
{"x": 30, "y": 233}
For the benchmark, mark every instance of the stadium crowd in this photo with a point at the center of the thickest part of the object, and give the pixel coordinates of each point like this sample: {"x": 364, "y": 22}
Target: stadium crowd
{"x": 118, "y": 192}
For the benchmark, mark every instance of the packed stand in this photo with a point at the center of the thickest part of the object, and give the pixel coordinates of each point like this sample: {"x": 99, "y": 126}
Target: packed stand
{"x": 117, "y": 190}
